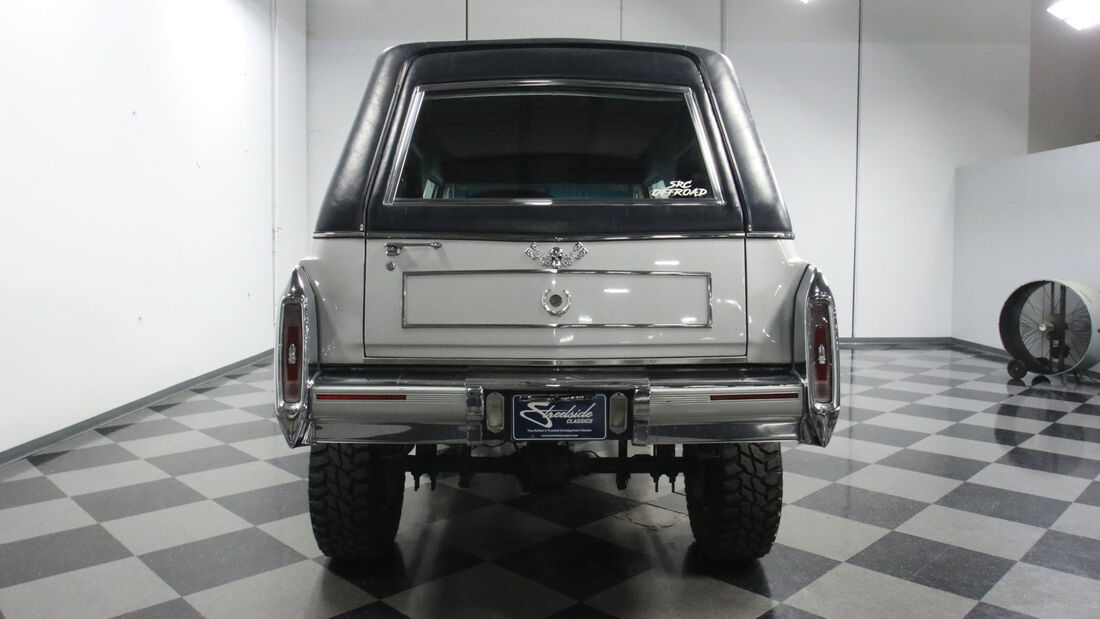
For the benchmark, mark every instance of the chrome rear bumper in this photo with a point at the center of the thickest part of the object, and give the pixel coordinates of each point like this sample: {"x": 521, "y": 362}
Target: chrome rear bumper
{"x": 666, "y": 406}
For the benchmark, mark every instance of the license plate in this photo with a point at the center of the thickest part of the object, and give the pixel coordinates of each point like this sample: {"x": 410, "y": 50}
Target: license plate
{"x": 559, "y": 418}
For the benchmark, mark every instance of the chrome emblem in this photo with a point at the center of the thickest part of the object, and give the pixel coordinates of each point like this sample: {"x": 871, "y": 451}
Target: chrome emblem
{"x": 556, "y": 258}
{"x": 556, "y": 302}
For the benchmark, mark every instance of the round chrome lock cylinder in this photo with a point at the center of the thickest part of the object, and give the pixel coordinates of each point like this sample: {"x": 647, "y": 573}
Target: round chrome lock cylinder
{"x": 556, "y": 302}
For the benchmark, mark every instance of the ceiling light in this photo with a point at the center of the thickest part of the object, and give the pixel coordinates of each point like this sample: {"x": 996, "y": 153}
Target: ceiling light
{"x": 1080, "y": 14}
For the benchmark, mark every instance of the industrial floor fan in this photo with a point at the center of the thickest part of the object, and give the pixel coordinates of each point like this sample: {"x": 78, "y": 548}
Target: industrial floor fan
{"x": 1050, "y": 327}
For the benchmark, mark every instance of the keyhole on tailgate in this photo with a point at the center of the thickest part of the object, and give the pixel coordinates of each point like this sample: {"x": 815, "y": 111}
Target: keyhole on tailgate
{"x": 555, "y": 302}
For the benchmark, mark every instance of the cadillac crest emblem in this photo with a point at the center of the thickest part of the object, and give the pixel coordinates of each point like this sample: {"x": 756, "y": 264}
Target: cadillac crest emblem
{"x": 556, "y": 258}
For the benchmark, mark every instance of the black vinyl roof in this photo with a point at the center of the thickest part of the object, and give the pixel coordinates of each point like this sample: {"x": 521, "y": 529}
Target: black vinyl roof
{"x": 355, "y": 183}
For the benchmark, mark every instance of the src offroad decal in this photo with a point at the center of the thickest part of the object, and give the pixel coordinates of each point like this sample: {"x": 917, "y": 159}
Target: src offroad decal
{"x": 678, "y": 189}
{"x": 559, "y": 418}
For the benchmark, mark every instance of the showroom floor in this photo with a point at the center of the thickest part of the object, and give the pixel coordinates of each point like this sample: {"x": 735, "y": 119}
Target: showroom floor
{"x": 945, "y": 493}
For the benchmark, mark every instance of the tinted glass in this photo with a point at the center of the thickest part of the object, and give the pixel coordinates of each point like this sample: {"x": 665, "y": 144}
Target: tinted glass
{"x": 554, "y": 144}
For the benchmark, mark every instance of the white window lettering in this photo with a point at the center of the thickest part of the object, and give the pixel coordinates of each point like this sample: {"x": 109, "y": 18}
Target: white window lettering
{"x": 678, "y": 189}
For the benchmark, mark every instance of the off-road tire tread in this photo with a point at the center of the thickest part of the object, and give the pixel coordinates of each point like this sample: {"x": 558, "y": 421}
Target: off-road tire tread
{"x": 354, "y": 500}
{"x": 734, "y": 499}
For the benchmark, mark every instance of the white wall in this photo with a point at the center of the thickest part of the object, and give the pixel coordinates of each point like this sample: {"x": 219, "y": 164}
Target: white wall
{"x": 293, "y": 225}
{"x": 136, "y": 189}
{"x": 944, "y": 84}
{"x": 345, "y": 38}
{"x": 1065, "y": 82}
{"x": 799, "y": 64}
{"x": 1021, "y": 219}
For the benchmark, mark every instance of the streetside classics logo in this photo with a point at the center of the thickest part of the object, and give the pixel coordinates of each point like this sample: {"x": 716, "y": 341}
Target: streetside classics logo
{"x": 543, "y": 414}
{"x": 678, "y": 189}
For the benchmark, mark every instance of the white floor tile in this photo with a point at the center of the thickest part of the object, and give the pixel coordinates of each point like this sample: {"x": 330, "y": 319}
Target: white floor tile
{"x": 850, "y": 591}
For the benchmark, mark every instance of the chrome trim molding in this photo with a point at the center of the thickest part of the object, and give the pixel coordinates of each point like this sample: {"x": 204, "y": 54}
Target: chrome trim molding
{"x": 442, "y": 408}
{"x": 409, "y": 125}
{"x": 818, "y": 419}
{"x": 770, "y": 235}
{"x": 579, "y": 362}
{"x": 405, "y": 324}
{"x": 295, "y": 419}
{"x": 546, "y": 239}
{"x": 338, "y": 235}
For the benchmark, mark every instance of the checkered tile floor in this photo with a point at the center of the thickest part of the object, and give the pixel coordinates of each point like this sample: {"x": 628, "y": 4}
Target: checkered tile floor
{"x": 946, "y": 492}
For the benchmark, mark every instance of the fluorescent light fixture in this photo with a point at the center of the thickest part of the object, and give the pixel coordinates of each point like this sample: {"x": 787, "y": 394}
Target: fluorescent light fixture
{"x": 1080, "y": 14}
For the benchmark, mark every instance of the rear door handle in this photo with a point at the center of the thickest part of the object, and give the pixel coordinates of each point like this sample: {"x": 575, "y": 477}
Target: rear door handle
{"x": 394, "y": 249}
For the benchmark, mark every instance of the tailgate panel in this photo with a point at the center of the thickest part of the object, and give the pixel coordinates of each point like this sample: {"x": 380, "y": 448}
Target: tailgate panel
{"x": 556, "y": 299}
{"x": 471, "y": 300}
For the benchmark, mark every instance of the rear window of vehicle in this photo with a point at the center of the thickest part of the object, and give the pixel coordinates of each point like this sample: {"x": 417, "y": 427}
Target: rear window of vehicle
{"x": 554, "y": 143}
{"x": 620, "y": 152}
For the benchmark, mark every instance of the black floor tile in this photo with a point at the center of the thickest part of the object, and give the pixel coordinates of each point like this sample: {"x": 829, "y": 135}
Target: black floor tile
{"x": 1077, "y": 433}
{"x": 573, "y": 506}
{"x": 783, "y": 611}
{"x": 986, "y": 434}
{"x": 576, "y": 564}
{"x": 975, "y": 394}
{"x": 137, "y": 499}
{"x": 856, "y": 414}
{"x": 934, "y": 412}
{"x": 1088, "y": 409}
{"x": 1062, "y": 395}
{"x": 260, "y": 410}
{"x": 924, "y": 379}
{"x": 950, "y": 568}
{"x": 56, "y": 553}
{"x": 269, "y": 504}
{"x": 27, "y": 491}
{"x": 934, "y": 464}
{"x": 412, "y": 563}
{"x": 778, "y": 575}
{"x": 1025, "y": 412}
{"x": 375, "y": 610}
{"x": 177, "y": 409}
{"x": 144, "y": 429}
{"x": 881, "y": 434}
{"x": 875, "y": 508}
{"x": 900, "y": 366}
{"x": 230, "y": 389}
{"x": 1006, "y": 504}
{"x": 1067, "y": 553}
{"x": 893, "y": 394}
{"x": 218, "y": 560}
{"x": 296, "y": 463}
{"x": 821, "y": 466}
{"x": 1051, "y": 462}
{"x": 76, "y": 459}
{"x": 867, "y": 381}
{"x": 1091, "y": 495}
{"x": 989, "y": 611}
{"x": 243, "y": 431}
{"x": 198, "y": 460}
{"x": 175, "y": 609}
{"x": 581, "y": 611}
{"x": 425, "y": 505}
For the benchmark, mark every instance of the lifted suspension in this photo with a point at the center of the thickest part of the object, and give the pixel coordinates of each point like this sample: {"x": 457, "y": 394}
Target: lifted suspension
{"x": 542, "y": 466}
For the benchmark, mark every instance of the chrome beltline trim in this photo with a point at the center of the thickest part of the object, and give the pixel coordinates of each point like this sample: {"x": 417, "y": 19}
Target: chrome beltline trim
{"x": 580, "y": 362}
{"x": 411, "y": 116}
{"x": 554, "y": 239}
{"x": 405, "y": 324}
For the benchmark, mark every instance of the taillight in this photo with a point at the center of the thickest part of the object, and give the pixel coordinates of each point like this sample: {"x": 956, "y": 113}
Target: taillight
{"x": 290, "y": 355}
{"x": 821, "y": 353}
